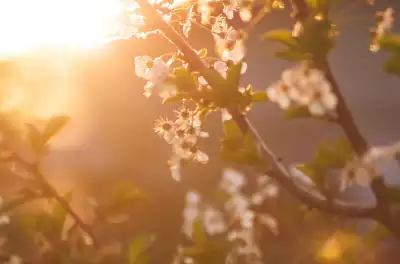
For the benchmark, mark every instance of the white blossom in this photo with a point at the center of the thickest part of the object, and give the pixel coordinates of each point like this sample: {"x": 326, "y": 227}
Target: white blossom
{"x": 384, "y": 26}
{"x": 230, "y": 46}
{"x": 154, "y": 71}
{"x": 214, "y": 222}
{"x": 232, "y": 180}
{"x": 278, "y": 93}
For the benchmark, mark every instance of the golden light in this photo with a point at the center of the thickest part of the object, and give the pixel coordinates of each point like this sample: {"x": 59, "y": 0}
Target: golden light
{"x": 43, "y": 39}
{"x": 30, "y": 24}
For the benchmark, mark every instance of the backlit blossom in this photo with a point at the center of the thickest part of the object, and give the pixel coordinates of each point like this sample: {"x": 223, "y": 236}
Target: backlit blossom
{"x": 278, "y": 93}
{"x": 304, "y": 86}
{"x": 232, "y": 180}
{"x": 154, "y": 71}
{"x": 214, "y": 222}
{"x": 183, "y": 135}
{"x": 230, "y": 45}
{"x": 205, "y": 11}
{"x": 385, "y": 20}
{"x": 240, "y": 7}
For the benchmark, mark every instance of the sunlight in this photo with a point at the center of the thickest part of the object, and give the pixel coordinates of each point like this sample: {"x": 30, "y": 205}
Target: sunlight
{"x": 28, "y": 24}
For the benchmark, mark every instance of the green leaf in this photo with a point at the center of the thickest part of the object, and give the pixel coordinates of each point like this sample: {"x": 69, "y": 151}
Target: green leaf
{"x": 231, "y": 129}
{"x": 316, "y": 38}
{"x": 184, "y": 80}
{"x": 316, "y": 4}
{"x": 59, "y": 214}
{"x": 375, "y": 235}
{"x": 138, "y": 246}
{"x": 291, "y": 55}
{"x": 392, "y": 65}
{"x": 297, "y": 112}
{"x": 36, "y": 139}
{"x": 334, "y": 154}
{"x": 233, "y": 76}
{"x": 54, "y": 125}
{"x": 282, "y": 36}
{"x": 259, "y": 97}
{"x": 389, "y": 42}
{"x": 199, "y": 234}
{"x": 252, "y": 149}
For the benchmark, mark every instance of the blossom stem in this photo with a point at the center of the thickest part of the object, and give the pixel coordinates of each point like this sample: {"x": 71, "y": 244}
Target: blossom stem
{"x": 276, "y": 169}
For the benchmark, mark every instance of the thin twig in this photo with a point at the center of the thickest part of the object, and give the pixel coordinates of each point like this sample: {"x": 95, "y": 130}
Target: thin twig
{"x": 360, "y": 145}
{"x": 52, "y": 193}
{"x": 276, "y": 170}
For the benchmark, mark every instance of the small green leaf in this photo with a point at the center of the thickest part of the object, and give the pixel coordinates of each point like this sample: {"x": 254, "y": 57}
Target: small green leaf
{"x": 316, "y": 4}
{"x": 389, "y": 42}
{"x": 283, "y": 36}
{"x": 36, "y": 139}
{"x": 59, "y": 214}
{"x": 233, "y": 76}
{"x": 184, "y": 80}
{"x": 392, "y": 65}
{"x": 297, "y": 112}
{"x": 316, "y": 38}
{"x": 138, "y": 246}
{"x": 231, "y": 129}
{"x": 199, "y": 234}
{"x": 375, "y": 235}
{"x": 291, "y": 55}
{"x": 54, "y": 125}
{"x": 259, "y": 97}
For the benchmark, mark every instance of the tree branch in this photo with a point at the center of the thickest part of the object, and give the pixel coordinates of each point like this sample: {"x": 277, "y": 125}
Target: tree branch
{"x": 52, "y": 193}
{"x": 359, "y": 143}
{"x": 276, "y": 170}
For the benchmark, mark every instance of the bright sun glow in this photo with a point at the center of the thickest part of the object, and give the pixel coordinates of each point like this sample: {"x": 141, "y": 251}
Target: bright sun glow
{"x": 30, "y": 24}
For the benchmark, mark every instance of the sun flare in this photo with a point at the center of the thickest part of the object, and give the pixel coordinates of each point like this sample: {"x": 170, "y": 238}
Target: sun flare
{"x": 29, "y": 24}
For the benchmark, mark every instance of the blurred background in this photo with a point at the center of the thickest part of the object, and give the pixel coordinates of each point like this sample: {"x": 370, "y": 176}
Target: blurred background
{"x": 110, "y": 136}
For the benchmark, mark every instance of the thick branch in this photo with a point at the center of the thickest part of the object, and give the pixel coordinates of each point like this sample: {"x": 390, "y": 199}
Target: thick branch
{"x": 277, "y": 169}
{"x": 359, "y": 143}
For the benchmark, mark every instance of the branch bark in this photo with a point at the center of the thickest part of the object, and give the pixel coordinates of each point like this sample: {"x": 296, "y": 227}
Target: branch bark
{"x": 276, "y": 170}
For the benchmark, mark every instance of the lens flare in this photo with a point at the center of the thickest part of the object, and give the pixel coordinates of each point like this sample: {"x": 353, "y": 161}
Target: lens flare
{"x": 28, "y": 24}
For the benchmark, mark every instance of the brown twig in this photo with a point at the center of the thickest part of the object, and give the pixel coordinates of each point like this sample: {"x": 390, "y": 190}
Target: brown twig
{"x": 50, "y": 192}
{"x": 276, "y": 170}
{"x": 360, "y": 145}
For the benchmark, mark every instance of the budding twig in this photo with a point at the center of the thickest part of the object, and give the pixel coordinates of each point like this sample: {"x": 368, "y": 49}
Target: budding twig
{"x": 276, "y": 170}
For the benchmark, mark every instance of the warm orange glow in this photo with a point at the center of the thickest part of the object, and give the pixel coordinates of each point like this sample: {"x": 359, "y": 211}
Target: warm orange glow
{"x": 29, "y": 24}
{"x": 331, "y": 250}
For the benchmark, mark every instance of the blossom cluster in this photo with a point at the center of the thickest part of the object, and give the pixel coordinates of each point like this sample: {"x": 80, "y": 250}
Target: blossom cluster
{"x": 384, "y": 25}
{"x": 367, "y": 168}
{"x": 238, "y": 221}
{"x": 306, "y": 87}
{"x": 183, "y": 135}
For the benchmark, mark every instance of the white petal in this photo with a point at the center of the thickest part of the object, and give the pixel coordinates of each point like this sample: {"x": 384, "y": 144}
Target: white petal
{"x": 317, "y": 108}
{"x": 202, "y": 80}
{"x": 329, "y": 100}
{"x": 245, "y": 14}
{"x": 244, "y": 67}
{"x": 283, "y": 101}
{"x": 202, "y": 157}
{"x": 220, "y": 66}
